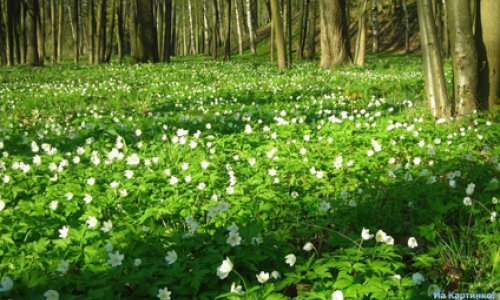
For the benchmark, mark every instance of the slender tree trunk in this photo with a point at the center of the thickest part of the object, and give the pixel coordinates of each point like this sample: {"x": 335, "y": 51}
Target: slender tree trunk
{"x": 73, "y": 13}
{"x": 167, "y": 43}
{"x": 335, "y": 49}
{"x": 227, "y": 30}
{"x": 488, "y": 41}
{"x": 91, "y": 30}
{"x": 375, "y": 36}
{"x": 3, "y": 58}
{"x": 32, "y": 11}
{"x": 53, "y": 23}
{"x": 302, "y": 31}
{"x": 278, "y": 34}
{"x": 191, "y": 29}
{"x": 60, "y": 16}
{"x": 289, "y": 32}
{"x": 120, "y": 29}
{"x": 361, "y": 37}
{"x": 41, "y": 31}
{"x": 238, "y": 28}
{"x": 17, "y": 33}
{"x": 22, "y": 31}
{"x": 206, "y": 32}
{"x": 406, "y": 22}
{"x": 464, "y": 56}
{"x": 435, "y": 84}
{"x": 311, "y": 30}
{"x": 8, "y": 18}
{"x": 144, "y": 37}
{"x": 160, "y": 24}
{"x": 109, "y": 48}
{"x": 215, "y": 28}
{"x": 251, "y": 30}
{"x": 173, "y": 42}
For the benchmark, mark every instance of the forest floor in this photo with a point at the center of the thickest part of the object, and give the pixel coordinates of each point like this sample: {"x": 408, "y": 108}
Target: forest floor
{"x": 239, "y": 181}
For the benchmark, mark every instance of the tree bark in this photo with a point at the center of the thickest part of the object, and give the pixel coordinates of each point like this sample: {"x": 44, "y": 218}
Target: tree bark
{"x": 335, "y": 50}
{"x": 91, "y": 31}
{"x": 3, "y": 59}
{"x": 375, "y": 37}
{"x": 311, "y": 30}
{"x": 406, "y": 22}
{"x": 289, "y": 32}
{"x": 359, "y": 58}
{"x": 302, "y": 30}
{"x": 60, "y": 16}
{"x": 489, "y": 48}
{"x": 144, "y": 37}
{"x": 279, "y": 38}
{"x": 238, "y": 28}
{"x": 464, "y": 56}
{"x": 8, "y": 19}
{"x": 32, "y": 10}
{"x": 192, "y": 45}
{"x": 215, "y": 28}
{"x": 227, "y": 30}
{"x": 75, "y": 30}
{"x": 22, "y": 31}
{"x": 120, "y": 28}
{"x": 435, "y": 84}
{"x": 251, "y": 30}
{"x": 167, "y": 42}
{"x": 206, "y": 32}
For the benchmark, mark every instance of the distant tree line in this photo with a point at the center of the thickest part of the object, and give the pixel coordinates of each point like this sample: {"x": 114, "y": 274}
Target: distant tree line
{"x": 35, "y": 31}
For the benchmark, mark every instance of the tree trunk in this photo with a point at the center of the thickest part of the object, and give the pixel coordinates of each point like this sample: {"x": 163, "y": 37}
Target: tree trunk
{"x": 192, "y": 45}
{"x": 488, "y": 49}
{"x": 215, "y": 28}
{"x": 227, "y": 30}
{"x": 74, "y": 15}
{"x": 406, "y": 22}
{"x": 361, "y": 37}
{"x": 3, "y": 59}
{"x": 22, "y": 31}
{"x": 167, "y": 42}
{"x": 335, "y": 50}
{"x": 311, "y": 30}
{"x": 278, "y": 34}
{"x": 60, "y": 30}
{"x": 289, "y": 32}
{"x": 144, "y": 37}
{"x": 32, "y": 11}
{"x": 302, "y": 30}
{"x": 160, "y": 25}
{"x": 435, "y": 84}
{"x": 8, "y": 19}
{"x": 464, "y": 56}
{"x": 251, "y": 30}
{"x": 109, "y": 48}
{"x": 206, "y": 32}
{"x": 238, "y": 28}
{"x": 91, "y": 31}
{"x": 120, "y": 28}
{"x": 375, "y": 36}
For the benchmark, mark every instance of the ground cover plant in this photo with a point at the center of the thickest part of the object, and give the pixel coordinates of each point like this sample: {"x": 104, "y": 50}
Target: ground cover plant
{"x": 207, "y": 180}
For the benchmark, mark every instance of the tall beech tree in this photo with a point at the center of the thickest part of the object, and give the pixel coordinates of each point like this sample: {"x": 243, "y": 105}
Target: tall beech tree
{"x": 279, "y": 38}
{"x": 143, "y": 36}
{"x": 335, "y": 49}
{"x": 32, "y": 11}
{"x": 227, "y": 30}
{"x": 464, "y": 56}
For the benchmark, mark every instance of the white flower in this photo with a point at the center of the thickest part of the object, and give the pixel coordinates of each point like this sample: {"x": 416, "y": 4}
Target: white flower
{"x": 63, "y": 267}
{"x": 237, "y": 289}
{"x": 129, "y": 174}
{"x": 352, "y": 203}
{"x": 107, "y": 226}
{"x": 91, "y": 181}
{"x": 137, "y": 262}
{"x": 376, "y": 146}
{"x": 272, "y": 172}
{"x": 493, "y": 216}
{"x": 370, "y": 153}
{"x": 69, "y": 196}
{"x": 338, "y": 295}
{"x": 389, "y": 240}
{"x": 171, "y": 257}
{"x": 365, "y": 234}
{"x": 308, "y": 247}
{"x": 138, "y": 132}
{"x": 164, "y": 294}
{"x": 225, "y": 268}
{"x": 467, "y": 201}
{"x": 337, "y": 164}
{"x": 234, "y": 239}
{"x": 115, "y": 259}
{"x": 173, "y": 180}
{"x": 432, "y": 290}
{"x": 51, "y": 295}
{"x": 418, "y": 278}
{"x": 412, "y": 242}
{"x": 204, "y": 164}
{"x": 380, "y": 236}
{"x": 91, "y": 222}
{"x": 248, "y": 129}
{"x": 291, "y": 259}
{"x": 108, "y": 247}
{"x": 325, "y": 206}
{"x": 53, "y": 205}
{"x": 201, "y": 186}
{"x": 2, "y": 205}
{"x": 114, "y": 184}
{"x": 252, "y": 161}
{"x": 87, "y": 198}
{"x": 63, "y": 232}
{"x": 470, "y": 189}
{"x": 319, "y": 174}
{"x": 6, "y": 284}
{"x": 275, "y": 275}
{"x": 262, "y": 277}
{"x": 37, "y": 160}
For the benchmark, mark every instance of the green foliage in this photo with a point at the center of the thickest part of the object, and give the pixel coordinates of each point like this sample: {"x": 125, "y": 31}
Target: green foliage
{"x": 241, "y": 161}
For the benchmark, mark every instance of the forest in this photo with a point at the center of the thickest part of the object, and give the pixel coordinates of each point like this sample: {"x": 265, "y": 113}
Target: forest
{"x": 249, "y": 149}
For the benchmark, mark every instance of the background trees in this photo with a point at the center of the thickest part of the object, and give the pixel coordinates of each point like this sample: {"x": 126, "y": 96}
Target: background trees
{"x": 154, "y": 30}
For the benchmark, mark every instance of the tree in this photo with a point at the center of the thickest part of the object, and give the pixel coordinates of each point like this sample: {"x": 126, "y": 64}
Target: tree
{"x": 60, "y": 16}
{"x": 9, "y": 21}
{"x": 75, "y": 28}
{"x": 143, "y": 35}
{"x": 215, "y": 28}
{"x": 32, "y": 11}
{"x": 120, "y": 24}
{"x": 238, "y": 27}
{"x": 302, "y": 29}
{"x": 359, "y": 57}
{"x": 310, "y": 50}
{"x": 488, "y": 41}
{"x": 227, "y": 30}
{"x": 432, "y": 65}
{"x": 251, "y": 31}
{"x": 464, "y": 56}
{"x": 91, "y": 30}
{"x": 167, "y": 42}
{"x": 278, "y": 34}
{"x": 375, "y": 36}
{"x": 335, "y": 49}
{"x": 53, "y": 28}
